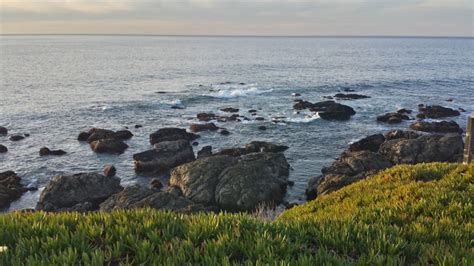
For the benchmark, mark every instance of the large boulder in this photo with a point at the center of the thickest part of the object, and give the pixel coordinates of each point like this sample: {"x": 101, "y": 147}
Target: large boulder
{"x": 370, "y": 143}
{"x": 10, "y": 188}
{"x": 171, "y": 134}
{"x": 437, "y": 127}
{"x": 110, "y": 146}
{"x": 424, "y": 149}
{"x": 234, "y": 184}
{"x": 140, "y": 197}
{"x": 330, "y": 110}
{"x": 351, "y": 167}
{"x": 164, "y": 156}
{"x": 79, "y": 192}
{"x": 437, "y": 111}
{"x": 198, "y": 180}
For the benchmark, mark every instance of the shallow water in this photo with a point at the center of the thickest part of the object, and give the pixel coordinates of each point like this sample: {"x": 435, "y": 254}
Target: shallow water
{"x": 54, "y": 87}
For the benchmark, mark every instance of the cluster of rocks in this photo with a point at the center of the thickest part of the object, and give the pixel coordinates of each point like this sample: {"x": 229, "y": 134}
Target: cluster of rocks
{"x": 376, "y": 152}
{"x": 238, "y": 179}
{"x": 10, "y": 188}
{"x": 106, "y": 141}
{"x": 328, "y": 110}
{"x": 395, "y": 117}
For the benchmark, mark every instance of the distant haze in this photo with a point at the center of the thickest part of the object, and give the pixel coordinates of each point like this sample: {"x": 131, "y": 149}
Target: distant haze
{"x": 229, "y": 17}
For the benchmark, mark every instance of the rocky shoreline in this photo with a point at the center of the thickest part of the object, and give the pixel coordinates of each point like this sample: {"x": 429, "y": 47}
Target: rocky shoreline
{"x": 235, "y": 179}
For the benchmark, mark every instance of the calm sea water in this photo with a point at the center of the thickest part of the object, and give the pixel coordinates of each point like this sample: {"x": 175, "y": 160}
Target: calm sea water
{"x": 54, "y": 87}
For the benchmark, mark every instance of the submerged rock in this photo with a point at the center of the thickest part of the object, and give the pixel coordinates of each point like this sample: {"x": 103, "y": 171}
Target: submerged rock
{"x": 16, "y": 137}
{"x": 46, "y": 151}
{"x": 164, "y": 156}
{"x": 3, "y": 131}
{"x": 437, "y": 111}
{"x": 3, "y": 149}
{"x": 11, "y": 188}
{"x": 203, "y": 127}
{"x": 79, "y": 192}
{"x": 171, "y": 134}
{"x": 230, "y": 110}
{"x": 437, "y": 127}
{"x": 350, "y": 96}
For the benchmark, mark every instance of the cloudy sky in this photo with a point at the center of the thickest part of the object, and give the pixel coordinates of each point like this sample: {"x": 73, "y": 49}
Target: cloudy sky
{"x": 249, "y": 17}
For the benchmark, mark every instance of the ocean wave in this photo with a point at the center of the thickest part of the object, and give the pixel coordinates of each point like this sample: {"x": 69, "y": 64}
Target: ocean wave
{"x": 306, "y": 119}
{"x": 235, "y": 90}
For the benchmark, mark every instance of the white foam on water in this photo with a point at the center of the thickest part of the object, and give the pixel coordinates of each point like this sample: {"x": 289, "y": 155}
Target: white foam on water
{"x": 306, "y": 119}
{"x": 236, "y": 90}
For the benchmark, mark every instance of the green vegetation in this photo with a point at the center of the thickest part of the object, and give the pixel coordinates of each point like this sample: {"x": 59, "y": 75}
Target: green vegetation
{"x": 419, "y": 214}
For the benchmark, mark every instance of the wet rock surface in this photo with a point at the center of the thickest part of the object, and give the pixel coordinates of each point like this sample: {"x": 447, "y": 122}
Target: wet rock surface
{"x": 110, "y": 146}
{"x": 393, "y": 118}
{"x": 437, "y": 111}
{"x": 46, "y": 152}
{"x": 3, "y": 131}
{"x": 171, "y": 134}
{"x": 350, "y": 96}
{"x": 437, "y": 127}
{"x": 3, "y": 149}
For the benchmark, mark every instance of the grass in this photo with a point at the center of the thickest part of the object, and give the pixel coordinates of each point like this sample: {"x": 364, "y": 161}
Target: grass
{"x": 419, "y": 214}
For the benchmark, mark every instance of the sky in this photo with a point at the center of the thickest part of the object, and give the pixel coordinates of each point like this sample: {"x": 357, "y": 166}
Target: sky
{"x": 230, "y": 17}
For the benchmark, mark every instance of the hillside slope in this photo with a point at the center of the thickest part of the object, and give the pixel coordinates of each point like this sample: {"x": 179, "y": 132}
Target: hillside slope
{"x": 408, "y": 214}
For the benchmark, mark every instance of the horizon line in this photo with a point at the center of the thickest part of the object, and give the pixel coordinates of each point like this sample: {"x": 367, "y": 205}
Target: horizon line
{"x": 237, "y": 35}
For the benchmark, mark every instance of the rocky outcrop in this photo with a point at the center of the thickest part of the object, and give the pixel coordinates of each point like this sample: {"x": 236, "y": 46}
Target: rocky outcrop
{"x": 46, "y": 151}
{"x": 140, "y": 197}
{"x": 95, "y": 134}
{"x": 164, "y": 156}
{"x": 437, "y": 127}
{"x": 393, "y": 118}
{"x": 234, "y": 183}
{"x": 3, "y": 149}
{"x": 171, "y": 134}
{"x": 351, "y": 167}
{"x": 350, "y": 96}
{"x": 203, "y": 127}
{"x": 110, "y": 146}
{"x": 424, "y": 149}
{"x": 436, "y": 111}
{"x": 400, "y": 147}
{"x": 328, "y": 110}
{"x": 79, "y": 192}
{"x": 3, "y": 131}
{"x": 11, "y": 188}
{"x": 370, "y": 143}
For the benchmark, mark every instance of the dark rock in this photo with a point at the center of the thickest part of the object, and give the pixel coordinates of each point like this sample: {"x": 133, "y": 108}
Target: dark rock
{"x": 252, "y": 111}
{"x": 203, "y": 127}
{"x": 259, "y": 118}
{"x": 3, "y": 131}
{"x": 400, "y": 134}
{"x": 262, "y": 128}
{"x": 138, "y": 197}
{"x": 26, "y": 135}
{"x": 11, "y": 188}
{"x": 99, "y": 134}
{"x": 262, "y": 146}
{"x": 333, "y": 111}
{"x": 206, "y": 151}
{"x": 79, "y": 192}
{"x": 110, "y": 146}
{"x": 123, "y": 135}
{"x": 138, "y": 126}
{"x": 164, "y": 156}
{"x": 16, "y": 137}
{"x": 370, "y": 143}
{"x": 156, "y": 184}
{"x": 350, "y": 96}
{"x": 300, "y": 105}
{"x": 437, "y": 127}
{"x": 461, "y": 110}
{"x": 392, "y": 118}
{"x": 46, "y": 151}
{"x": 296, "y": 94}
{"x": 3, "y": 149}
{"x": 437, "y": 111}
{"x": 421, "y": 116}
{"x": 351, "y": 167}
{"x": 206, "y": 117}
{"x": 110, "y": 171}
{"x": 230, "y": 110}
{"x": 424, "y": 149}
{"x": 224, "y": 132}
{"x": 450, "y": 100}
{"x": 290, "y": 183}
{"x": 404, "y": 111}
{"x": 195, "y": 143}
{"x": 171, "y": 134}
{"x": 83, "y": 136}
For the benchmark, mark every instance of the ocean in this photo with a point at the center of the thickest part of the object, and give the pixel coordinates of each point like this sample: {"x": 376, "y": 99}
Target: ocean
{"x": 54, "y": 87}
